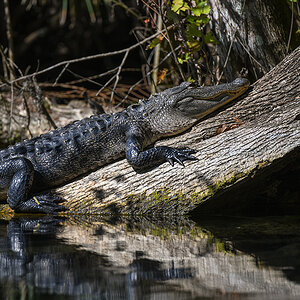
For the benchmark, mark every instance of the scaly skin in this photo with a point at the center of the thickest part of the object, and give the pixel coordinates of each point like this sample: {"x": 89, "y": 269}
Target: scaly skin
{"x": 60, "y": 156}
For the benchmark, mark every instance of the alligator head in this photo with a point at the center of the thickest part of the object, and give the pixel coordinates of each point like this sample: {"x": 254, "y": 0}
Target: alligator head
{"x": 176, "y": 109}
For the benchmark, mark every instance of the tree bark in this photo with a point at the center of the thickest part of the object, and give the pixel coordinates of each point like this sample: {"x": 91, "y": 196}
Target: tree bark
{"x": 270, "y": 113}
{"x": 270, "y": 130}
{"x": 251, "y": 33}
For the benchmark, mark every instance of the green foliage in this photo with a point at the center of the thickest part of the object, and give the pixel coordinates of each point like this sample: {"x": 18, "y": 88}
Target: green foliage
{"x": 154, "y": 43}
{"x": 194, "y": 15}
{"x": 179, "y": 5}
{"x": 189, "y": 33}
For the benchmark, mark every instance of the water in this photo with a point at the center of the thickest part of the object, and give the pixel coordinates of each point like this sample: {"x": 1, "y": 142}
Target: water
{"x": 82, "y": 257}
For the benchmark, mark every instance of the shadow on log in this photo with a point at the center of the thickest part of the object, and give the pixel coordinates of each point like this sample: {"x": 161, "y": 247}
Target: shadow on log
{"x": 271, "y": 191}
{"x": 266, "y": 130}
{"x": 269, "y": 131}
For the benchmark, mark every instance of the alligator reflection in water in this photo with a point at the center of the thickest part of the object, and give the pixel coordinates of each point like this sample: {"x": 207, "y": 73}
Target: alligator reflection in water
{"x": 94, "y": 259}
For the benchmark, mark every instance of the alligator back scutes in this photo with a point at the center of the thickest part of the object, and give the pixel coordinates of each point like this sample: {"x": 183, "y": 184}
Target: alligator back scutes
{"x": 56, "y": 139}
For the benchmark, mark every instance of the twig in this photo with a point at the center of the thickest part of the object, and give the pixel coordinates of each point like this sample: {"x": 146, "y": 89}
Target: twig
{"x": 291, "y": 30}
{"x": 76, "y": 60}
{"x": 174, "y": 54}
{"x": 31, "y": 86}
{"x": 11, "y": 107}
{"x": 227, "y": 57}
{"x": 60, "y": 74}
{"x": 94, "y": 82}
{"x": 27, "y": 112}
{"x": 156, "y": 57}
{"x": 8, "y": 65}
{"x": 147, "y": 59}
{"x": 117, "y": 78}
{"x": 241, "y": 43}
{"x": 4, "y": 65}
{"x": 105, "y": 85}
{"x": 150, "y": 7}
{"x": 149, "y": 73}
{"x": 251, "y": 56}
{"x": 230, "y": 47}
{"x": 129, "y": 10}
{"x": 9, "y": 38}
{"x": 90, "y": 78}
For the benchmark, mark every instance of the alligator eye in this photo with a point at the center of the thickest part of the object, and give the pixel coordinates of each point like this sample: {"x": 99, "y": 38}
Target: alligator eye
{"x": 182, "y": 103}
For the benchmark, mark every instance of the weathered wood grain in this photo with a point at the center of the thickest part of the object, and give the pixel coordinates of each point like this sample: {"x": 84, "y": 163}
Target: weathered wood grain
{"x": 270, "y": 130}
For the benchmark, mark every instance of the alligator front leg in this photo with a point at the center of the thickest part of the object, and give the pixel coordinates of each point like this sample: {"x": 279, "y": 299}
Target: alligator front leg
{"x": 143, "y": 160}
{"x": 18, "y": 173}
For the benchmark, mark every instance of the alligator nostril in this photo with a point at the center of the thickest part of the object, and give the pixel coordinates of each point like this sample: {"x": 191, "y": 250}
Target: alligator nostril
{"x": 241, "y": 81}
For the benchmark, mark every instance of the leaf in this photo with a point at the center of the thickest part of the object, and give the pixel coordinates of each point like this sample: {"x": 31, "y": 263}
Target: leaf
{"x": 201, "y": 9}
{"x": 204, "y": 19}
{"x": 194, "y": 46}
{"x": 198, "y": 11}
{"x": 192, "y": 31}
{"x": 198, "y": 21}
{"x": 183, "y": 59}
{"x": 180, "y": 60}
{"x": 209, "y": 38}
{"x": 238, "y": 121}
{"x": 91, "y": 10}
{"x": 179, "y": 5}
{"x": 173, "y": 16}
{"x": 190, "y": 79}
{"x": 155, "y": 42}
{"x": 161, "y": 75}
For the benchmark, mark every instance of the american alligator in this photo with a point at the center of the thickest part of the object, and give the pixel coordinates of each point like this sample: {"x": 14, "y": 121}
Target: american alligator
{"x": 59, "y": 156}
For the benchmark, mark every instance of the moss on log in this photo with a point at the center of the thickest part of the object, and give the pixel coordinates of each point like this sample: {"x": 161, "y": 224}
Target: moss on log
{"x": 270, "y": 130}
{"x": 265, "y": 128}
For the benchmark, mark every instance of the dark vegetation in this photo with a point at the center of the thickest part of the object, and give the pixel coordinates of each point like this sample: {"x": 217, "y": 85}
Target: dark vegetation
{"x": 163, "y": 43}
{"x": 179, "y": 40}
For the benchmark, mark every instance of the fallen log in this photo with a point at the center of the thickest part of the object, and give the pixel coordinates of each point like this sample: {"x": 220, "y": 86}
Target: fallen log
{"x": 267, "y": 121}
{"x": 264, "y": 128}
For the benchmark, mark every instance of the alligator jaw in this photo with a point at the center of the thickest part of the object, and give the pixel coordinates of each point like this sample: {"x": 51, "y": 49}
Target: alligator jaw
{"x": 199, "y": 102}
{"x": 175, "y": 110}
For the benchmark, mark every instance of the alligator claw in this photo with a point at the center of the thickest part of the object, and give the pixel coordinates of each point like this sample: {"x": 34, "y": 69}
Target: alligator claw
{"x": 171, "y": 162}
{"x": 191, "y": 157}
{"x": 179, "y": 155}
{"x": 47, "y": 204}
{"x": 178, "y": 160}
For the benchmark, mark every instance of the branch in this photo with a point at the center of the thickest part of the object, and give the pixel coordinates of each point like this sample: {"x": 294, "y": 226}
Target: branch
{"x": 96, "y": 56}
{"x": 117, "y": 78}
{"x": 223, "y": 159}
{"x": 9, "y": 38}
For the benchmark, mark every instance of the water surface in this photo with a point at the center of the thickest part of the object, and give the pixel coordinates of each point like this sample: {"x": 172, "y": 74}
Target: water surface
{"x": 92, "y": 257}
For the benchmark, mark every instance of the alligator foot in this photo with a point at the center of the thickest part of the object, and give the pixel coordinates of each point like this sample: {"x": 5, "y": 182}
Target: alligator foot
{"x": 48, "y": 204}
{"x": 179, "y": 155}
